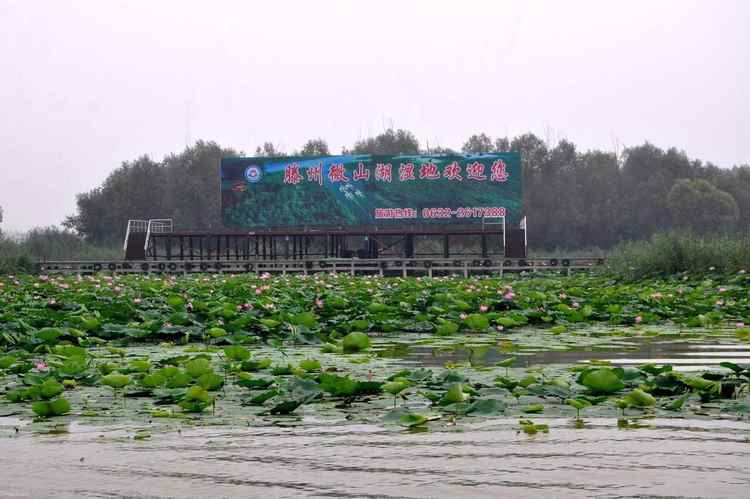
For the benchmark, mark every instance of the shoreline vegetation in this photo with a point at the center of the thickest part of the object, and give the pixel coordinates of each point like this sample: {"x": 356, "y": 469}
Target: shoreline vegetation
{"x": 664, "y": 254}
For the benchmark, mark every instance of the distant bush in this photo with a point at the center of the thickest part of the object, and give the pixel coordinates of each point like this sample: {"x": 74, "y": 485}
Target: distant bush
{"x": 48, "y": 243}
{"x": 681, "y": 251}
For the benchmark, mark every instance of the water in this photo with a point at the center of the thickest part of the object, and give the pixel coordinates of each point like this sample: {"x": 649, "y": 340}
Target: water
{"x": 307, "y": 457}
{"x": 684, "y": 355}
{"x": 671, "y": 458}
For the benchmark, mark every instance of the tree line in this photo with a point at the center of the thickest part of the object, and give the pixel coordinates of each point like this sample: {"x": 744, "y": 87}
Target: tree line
{"x": 573, "y": 199}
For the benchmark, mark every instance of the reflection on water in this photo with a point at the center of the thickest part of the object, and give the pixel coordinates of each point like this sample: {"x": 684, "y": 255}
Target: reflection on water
{"x": 671, "y": 458}
{"x": 635, "y": 351}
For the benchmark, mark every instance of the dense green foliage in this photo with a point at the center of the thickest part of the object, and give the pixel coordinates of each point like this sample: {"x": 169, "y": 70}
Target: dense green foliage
{"x": 76, "y": 345}
{"x": 48, "y": 243}
{"x": 676, "y": 252}
{"x": 323, "y": 308}
{"x": 573, "y": 199}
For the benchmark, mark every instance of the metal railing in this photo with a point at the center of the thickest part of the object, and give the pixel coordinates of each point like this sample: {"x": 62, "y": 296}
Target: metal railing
{"x": 353, "y": 266}
{"x": 134, "y": 226}
{"x": 157, "y": 226}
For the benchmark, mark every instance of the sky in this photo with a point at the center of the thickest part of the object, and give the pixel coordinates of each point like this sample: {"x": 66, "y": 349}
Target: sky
{"x": 87, "y": 85}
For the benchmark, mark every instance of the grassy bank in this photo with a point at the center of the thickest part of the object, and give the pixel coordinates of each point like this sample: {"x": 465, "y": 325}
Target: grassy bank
{"x": 677, "y": 252}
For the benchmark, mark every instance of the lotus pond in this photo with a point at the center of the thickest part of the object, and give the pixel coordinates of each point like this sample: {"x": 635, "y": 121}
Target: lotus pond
{"x": 474, "y": 386}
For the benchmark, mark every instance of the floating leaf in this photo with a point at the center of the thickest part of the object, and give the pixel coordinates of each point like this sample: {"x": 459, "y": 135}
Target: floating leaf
{"x": 355, "y": 342}
{"x": 601, "y": 380}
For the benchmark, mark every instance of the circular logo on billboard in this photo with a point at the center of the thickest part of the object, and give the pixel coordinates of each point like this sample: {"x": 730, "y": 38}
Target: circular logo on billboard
{"x": 253, "y": 174}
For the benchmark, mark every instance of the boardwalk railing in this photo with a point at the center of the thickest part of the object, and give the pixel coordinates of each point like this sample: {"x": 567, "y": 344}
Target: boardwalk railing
{"x": 352, "y": 266}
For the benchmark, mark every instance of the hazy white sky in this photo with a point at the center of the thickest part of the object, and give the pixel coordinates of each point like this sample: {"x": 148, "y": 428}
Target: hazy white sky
{"x": 85, "y": 85}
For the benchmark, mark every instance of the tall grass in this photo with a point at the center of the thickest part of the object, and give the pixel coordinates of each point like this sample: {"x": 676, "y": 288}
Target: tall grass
{"x": 20, "y": 254}
{"x": 680, "y": 251}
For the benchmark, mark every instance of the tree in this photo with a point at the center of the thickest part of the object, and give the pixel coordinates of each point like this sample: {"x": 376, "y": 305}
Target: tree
{"x": 389, "y": 142}
{"x": 268, "y": 150}
{"x": 502, "y": 144}
{"x": 182, "y": 187}
{"x": 192, "y": 198}
{"x": 315, "y": 147}
{"x": 698, "y": 205}
{"x": 478, "y": 144}
{"x": 441, "y": 150}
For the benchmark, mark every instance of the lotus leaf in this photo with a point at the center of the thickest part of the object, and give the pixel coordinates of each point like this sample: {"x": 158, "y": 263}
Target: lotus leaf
{"x": 356, "y": 342}
{"x": 601, "y": 380}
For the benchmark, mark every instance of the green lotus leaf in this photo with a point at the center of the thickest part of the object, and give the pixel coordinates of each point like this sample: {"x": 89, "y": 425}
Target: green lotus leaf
{"x": 356, "y": 342}
{"x": 413, "y": 419}
{"x": 532, "y": 408}
{"x": 116, "y": 381}
{"x": 487, "y": 407}
{"x": 237, "y": 353}
{"x": 639, "y": 398}
{"x": 180, "y": 379}
{"x": 49, "y": 335}
{"x": 477, "y": 322}
{"x": 153, "y": 380}
{"x": 50, "y": 388}
{"x": 601, "y": 381}
{"x": 210, "y": 381}
{"x": 310, "y": 365}
{"x": 198, "y": 367}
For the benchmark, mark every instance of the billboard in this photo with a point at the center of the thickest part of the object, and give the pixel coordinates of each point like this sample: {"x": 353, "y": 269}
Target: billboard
{"x": 363, "y": 190}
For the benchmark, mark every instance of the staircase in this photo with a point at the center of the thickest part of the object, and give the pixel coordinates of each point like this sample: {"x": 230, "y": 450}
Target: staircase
{"x": 138, "y": 234}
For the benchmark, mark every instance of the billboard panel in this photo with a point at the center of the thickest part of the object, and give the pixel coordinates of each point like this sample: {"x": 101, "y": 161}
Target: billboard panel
{"x": 364, "y": 190}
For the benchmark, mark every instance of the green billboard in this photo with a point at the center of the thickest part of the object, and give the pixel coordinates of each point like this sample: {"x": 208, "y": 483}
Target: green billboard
{"x": 363, "y": 190}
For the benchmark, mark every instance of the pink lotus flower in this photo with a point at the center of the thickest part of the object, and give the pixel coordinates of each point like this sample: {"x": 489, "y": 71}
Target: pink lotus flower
{"x": 462, "y": 316}
{"x": 319, "y": 303}
{"x": 740, "y": 325}
{"x": 722, "y": 290}
{"x": 575, "y": 304}
{"x": 499, "y": 328}
{"x": 51, "y": 302}
{"x": 483, "y": 308}
{"x": 656, "y": 296}
{"x": 258, "y": 291}
{"x": 247, "y": 306}
{"x": 638, "y": 319}
{"x": 562, "y": 296}
{"x": 137, "y": 301}
{"x": 41, "y": 366}
{"x": 719, "y": 303}
{"x": 509, "y": 295}
{"x": 265, "y": 275}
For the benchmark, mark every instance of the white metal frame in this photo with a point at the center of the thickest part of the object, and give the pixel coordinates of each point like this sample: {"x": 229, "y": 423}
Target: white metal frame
{"x": 134, "y": 226}
{"x": 501, "y": 222}
{"x": 157, "y": 226}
